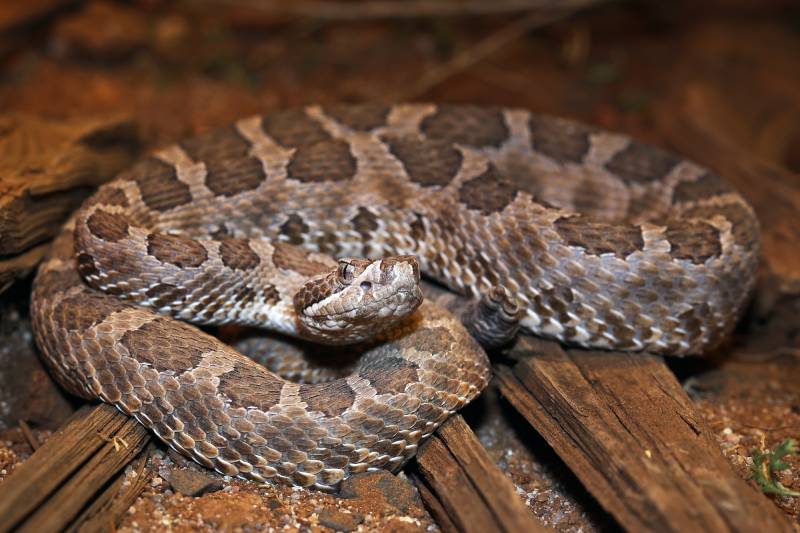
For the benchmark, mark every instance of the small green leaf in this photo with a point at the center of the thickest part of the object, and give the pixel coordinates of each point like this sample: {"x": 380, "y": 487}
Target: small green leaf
{"x": 768, "y": 463}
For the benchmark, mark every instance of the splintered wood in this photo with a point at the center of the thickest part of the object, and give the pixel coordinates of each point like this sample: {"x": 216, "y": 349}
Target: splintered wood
{"x": 47, "y": 168}
{"x": 625, "y": 427}
{"x": 65, "y": 483}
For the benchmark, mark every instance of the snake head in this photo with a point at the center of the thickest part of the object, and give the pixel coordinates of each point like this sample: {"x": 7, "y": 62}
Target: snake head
{"x": 359, "y": 299}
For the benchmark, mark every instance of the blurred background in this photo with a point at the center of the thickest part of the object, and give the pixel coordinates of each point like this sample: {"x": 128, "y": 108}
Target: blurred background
{"x": 635, "y": 66}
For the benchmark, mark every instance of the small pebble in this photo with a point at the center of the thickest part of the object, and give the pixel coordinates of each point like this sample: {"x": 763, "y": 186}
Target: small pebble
{"x": 190, "y": 482}
{"x": 339, "y": 520}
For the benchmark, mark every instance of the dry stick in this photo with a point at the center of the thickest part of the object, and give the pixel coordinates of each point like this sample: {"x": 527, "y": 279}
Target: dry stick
{"x": 472, "y": 55}
{"x": 26, "y": 431}
{"x": 403, "y": 9}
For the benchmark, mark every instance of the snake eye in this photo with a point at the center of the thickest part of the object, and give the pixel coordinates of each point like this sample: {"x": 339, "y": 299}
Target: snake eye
{"x": 346, "y": 272}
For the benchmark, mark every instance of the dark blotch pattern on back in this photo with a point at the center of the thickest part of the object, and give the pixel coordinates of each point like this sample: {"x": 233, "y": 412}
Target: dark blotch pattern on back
{"x": 332, "y": 398}
{"x": 487, "y": 193}
{"x": 562, "y": 140}
{"x": 745, "y": 232}
{"x": 588, "y": 196}
{"x": 231, "y": 177}
{"x": 323, "y": 161}
{"x": 271, "y": 294}
{"x": 159, "y": 184}
{"x": 176, "y": 250}
{"x": 183, "y": 352}
{"x": 294, "y": 228}
{"x": 745, "y": 228}
{"x": 600, "y": 238}
{"x": 293, "y": 128}
{"x": 428, "y": 163}
{"x": 289, "y": 257}
{"x": 641, "y": 163}
{"x": 365, "y": 222}
{"x": 110, "y": 227}
{"x": 706, "y": 186}
{"x": 470, "y": 126}
{"x": 85, "y": 309}
{"x": 363, "y": 117}
{"x": 237, "y": 254}
{"x": 237, "y": 385}
{"x": 221, "y": 144}
{"x": 391, "y": 375}
{"x": 427, "y": 339}
{"x": 417, "y": 228}
{"x": 230, "y": 170}
{"x": 695, "y": 241}
{"x": 109, "y": 196}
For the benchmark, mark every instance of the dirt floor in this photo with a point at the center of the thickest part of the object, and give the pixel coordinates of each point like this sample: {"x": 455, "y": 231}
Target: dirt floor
{"x": 181, "y": 68}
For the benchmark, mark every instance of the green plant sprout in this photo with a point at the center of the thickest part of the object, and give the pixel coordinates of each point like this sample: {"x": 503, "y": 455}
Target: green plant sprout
{"x": 768, "y": 463}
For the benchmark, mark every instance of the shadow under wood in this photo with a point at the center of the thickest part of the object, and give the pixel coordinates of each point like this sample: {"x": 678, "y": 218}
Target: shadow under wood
{"x": 523, "y": 453}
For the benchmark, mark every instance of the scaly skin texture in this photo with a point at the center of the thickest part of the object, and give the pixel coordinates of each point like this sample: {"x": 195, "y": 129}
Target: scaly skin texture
{"x": 602, "y": 241}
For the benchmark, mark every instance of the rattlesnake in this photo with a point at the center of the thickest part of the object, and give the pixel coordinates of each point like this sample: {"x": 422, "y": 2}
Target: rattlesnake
{"x": 602, "y": 241}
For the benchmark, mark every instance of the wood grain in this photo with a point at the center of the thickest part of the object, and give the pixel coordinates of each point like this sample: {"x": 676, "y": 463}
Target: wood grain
{"x": 49, "y": 490}
{"x": 47, "y": 167}
{"x": 107, "y": 509}
{"x": 465, "y": 488}
{"x": 18, "y": 266}
{"x": 625, "y": 427}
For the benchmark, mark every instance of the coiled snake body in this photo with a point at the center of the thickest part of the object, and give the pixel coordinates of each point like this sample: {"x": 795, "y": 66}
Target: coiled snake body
{"x": 602, "y": 241}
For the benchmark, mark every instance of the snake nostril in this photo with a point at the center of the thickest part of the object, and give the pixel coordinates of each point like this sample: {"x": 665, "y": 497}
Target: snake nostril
{"x": 366, "y": 285}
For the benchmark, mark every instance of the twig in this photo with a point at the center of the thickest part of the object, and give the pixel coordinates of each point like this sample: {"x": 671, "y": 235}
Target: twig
{"x": 33, "y": 442}
{"x": 382, "y": 9}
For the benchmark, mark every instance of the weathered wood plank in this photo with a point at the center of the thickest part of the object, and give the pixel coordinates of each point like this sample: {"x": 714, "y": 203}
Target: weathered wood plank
{"x": 433, "y": 505}
{"x": 108, "y": 508}
{"x": 469, "y": 487}
{"x": 625, "y": 427}
{"x": 47, "y": 168}
{"x": 49, "y": 490}
{"x": 19, "y": 265}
